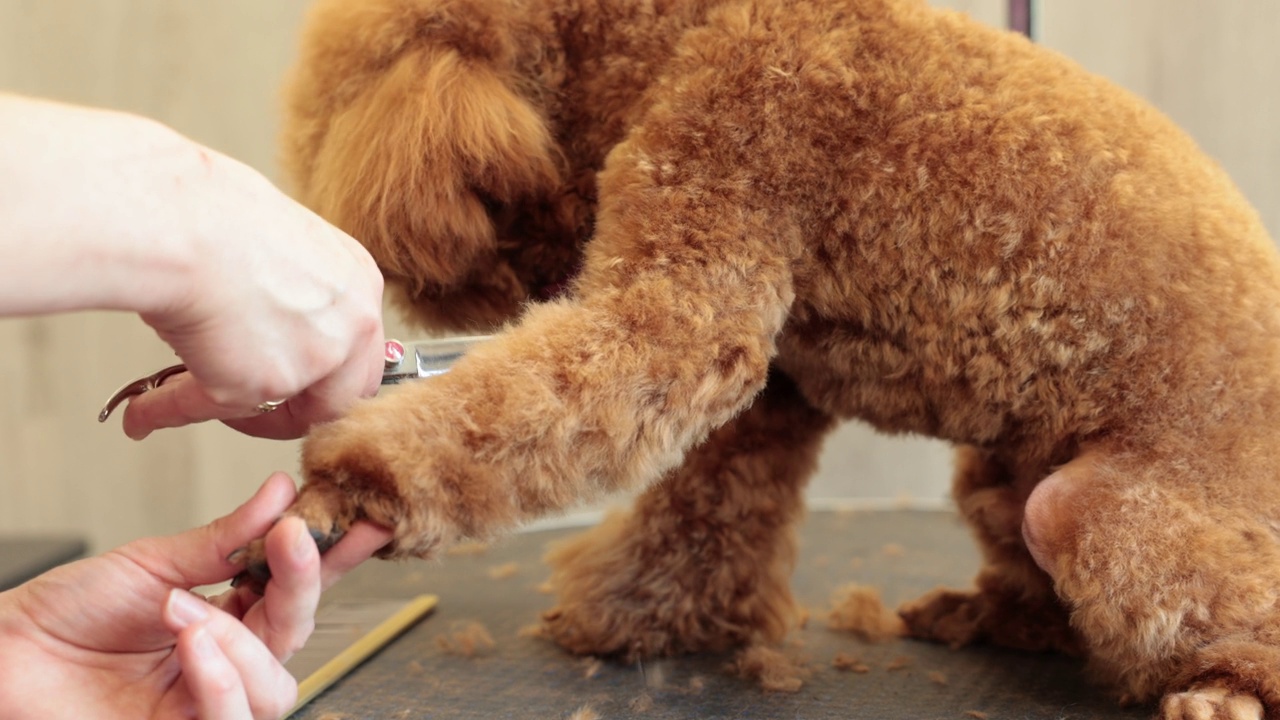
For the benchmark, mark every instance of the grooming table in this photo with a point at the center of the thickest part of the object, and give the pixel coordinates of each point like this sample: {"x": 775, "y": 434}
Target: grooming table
{"x": 902, "y": 552}
{"x": 22, "y": 558}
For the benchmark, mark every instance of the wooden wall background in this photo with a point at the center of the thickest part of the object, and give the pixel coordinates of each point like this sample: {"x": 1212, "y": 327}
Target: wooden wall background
{"x": 212, "y": 70}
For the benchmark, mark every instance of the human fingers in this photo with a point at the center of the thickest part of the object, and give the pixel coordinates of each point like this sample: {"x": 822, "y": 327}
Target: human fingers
{"x": 286, "y": 614}
{"x": 360, "y": 542}
{"x": 200, "y": 556}
{"x": 328, "y": 399}
{"x": 214, "y": 683}
{"x": 179, "y": 402}
{"x": 255, "y": 685}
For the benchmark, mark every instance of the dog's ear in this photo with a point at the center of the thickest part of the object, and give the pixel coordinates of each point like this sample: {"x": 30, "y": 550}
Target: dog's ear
{"x": 405, "y": 152}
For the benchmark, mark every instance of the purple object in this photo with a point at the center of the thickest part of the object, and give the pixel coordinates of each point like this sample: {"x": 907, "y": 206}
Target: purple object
{"x": 1020, "y": 16}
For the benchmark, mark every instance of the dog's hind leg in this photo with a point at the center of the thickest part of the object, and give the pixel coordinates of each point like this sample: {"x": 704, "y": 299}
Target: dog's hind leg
{"x": 703, "y": 560}
{"x": 1172, "y": 571}
{"x": 1013, "y": 603}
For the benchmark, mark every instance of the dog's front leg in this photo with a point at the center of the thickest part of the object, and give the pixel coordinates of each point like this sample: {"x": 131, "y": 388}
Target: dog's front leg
{"x": 669, "y": 334}
{"x": 703, "y": 560}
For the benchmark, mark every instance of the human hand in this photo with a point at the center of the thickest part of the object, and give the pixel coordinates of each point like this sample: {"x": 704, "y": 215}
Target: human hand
{"x": 280, "y": 305}
{"x": 260, "y": 298}
{"x": 119, "y": 636}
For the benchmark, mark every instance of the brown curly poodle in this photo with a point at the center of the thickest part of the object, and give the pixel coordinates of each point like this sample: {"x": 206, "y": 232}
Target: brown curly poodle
{"x": 714, "y": 226}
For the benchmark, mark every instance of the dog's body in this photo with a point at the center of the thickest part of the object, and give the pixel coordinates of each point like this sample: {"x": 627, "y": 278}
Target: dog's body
{"x": 784, "y": 213}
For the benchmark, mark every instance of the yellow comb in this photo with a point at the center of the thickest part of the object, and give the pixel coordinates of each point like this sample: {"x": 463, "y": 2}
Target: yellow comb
{"x": 355, "y": 631}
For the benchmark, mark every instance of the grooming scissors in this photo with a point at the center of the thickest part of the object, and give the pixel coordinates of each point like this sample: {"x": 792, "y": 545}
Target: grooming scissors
{"x": 401, "y": 362}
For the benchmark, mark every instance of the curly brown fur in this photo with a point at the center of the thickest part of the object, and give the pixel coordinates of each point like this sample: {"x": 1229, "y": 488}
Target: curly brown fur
{"x": 921, "y": 222}
{"x": 1014, "y": 603}
{"x": 702, "y": 563}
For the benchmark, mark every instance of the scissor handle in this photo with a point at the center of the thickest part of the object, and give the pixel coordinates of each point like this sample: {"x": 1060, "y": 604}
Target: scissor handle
{"x": 400, "y": 362}
{"x": 137, "y": 387}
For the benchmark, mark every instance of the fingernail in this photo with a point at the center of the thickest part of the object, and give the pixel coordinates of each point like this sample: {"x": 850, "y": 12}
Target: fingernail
{"x": 203, "y": 644}
{"x": 186, "y": 608}
{"x": 302, "y": 543}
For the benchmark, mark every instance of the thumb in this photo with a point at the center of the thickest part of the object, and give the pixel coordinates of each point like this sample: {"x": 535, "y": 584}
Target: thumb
{"x": 199, "y": 556}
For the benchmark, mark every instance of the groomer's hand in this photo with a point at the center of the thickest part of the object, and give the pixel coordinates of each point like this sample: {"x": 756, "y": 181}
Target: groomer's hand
{"x": 280, "y": 305}
{"x": 120, "y": 636}
{"x": 259, "y": 297}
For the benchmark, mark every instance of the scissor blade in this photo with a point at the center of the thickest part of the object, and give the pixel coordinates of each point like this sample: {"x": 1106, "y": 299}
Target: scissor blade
{"x": 427, "y": 358}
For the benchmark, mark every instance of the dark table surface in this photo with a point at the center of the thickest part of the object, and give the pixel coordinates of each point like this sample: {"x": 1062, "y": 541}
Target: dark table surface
{"x": 22, "y": 558}
{"x": 903, "y": 553}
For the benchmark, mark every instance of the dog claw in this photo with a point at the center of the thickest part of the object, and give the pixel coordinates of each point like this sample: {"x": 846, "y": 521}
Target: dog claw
{"x": 257, "y": 572}
{"x": 244, "y": 579}
{"x": 326, "y": 540}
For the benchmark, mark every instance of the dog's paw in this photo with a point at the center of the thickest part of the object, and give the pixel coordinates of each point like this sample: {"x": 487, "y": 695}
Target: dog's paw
{"x": 950, "y": 617}
{"x": 958, "y": 618}
{"x": 348, "y": 480}
{"x": 328, "y": 513}
{"x": 425, "y": 487}
{"x": 630, "y": 626}
{"x": 627, "y": 593}
{"x": 1211, "y": 703}
{"x": 253, "y": 557}
{"x": 604, "y": 610}
{"x": 608, "y": 630}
